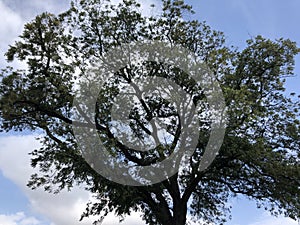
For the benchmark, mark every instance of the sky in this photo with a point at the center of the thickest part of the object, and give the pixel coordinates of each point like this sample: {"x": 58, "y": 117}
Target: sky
{"x": 238, "y": 19}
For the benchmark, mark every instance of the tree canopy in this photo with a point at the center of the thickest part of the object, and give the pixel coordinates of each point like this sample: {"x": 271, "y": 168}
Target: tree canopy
{"x": 259, "y": 157}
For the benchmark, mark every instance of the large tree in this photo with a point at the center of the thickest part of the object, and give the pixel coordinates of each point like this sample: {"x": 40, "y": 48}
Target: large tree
{"x": 260, "y": 154}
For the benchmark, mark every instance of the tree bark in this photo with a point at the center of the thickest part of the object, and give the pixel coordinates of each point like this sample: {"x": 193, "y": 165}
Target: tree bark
{"x": 179, "y": 213}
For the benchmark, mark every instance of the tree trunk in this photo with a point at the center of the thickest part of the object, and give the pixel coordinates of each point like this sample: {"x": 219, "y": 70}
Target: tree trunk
{"x": 180, "y": 211}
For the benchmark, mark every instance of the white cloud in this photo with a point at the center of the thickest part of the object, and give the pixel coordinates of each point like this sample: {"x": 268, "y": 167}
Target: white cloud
{"x": 133, "y": 219}
{"x": 266, "y": 219}
{"x": 11, "y": 24}
{"x": 18, "y": 218}
{"x": 30, "y": 8}
{"x": 10, "y": 27}
{"x": 64, "y": 208}
{"x": 146, "y": 8}
{"x": 14, "y": 15}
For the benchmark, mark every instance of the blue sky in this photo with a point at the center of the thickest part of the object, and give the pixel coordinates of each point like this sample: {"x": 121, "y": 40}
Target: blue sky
{"x": 238, "y": 19}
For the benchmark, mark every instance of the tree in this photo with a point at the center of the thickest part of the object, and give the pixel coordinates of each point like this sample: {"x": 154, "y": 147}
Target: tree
{"x": 259, "y": 157}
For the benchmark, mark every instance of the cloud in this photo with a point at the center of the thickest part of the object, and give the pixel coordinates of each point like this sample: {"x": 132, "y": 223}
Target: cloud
{"x": 146, "y": 8}
{"x": 64, "y": 208}
{"x": 18, "y": 12}
{"x": 18, "y": 218}
{"x": 14, "y": 15}
{"x": 266, "y": 219}
{"x": 10, "y": 27}
{"x": 133, "y": 219}
{"x": 30, "y": 8}
{"x": 11, "y": 24}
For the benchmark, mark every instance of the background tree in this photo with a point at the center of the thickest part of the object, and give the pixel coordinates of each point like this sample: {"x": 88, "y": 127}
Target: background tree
{"x": 260, "y": 154}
